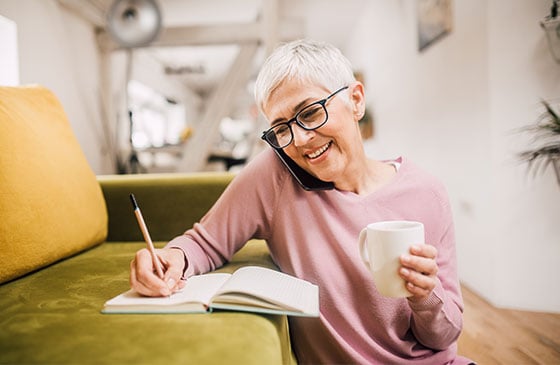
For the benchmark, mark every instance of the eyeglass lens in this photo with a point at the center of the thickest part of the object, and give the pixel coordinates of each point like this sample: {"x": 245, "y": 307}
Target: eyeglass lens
{"x": 311, "y": 117}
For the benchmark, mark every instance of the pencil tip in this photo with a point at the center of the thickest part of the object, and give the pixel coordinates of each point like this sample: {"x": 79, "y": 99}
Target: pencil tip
{"x": 133, "y": 201}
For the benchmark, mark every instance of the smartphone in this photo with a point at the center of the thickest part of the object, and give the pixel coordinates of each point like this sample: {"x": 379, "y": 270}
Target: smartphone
{"x": 304, "y": 178}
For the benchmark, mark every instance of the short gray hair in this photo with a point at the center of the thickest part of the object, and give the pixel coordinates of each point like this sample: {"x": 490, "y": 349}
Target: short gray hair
{"x": 304, "y": 60}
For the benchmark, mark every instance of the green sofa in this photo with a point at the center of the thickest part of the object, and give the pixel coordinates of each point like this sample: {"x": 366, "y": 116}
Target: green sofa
{"x": 66, "y": 241}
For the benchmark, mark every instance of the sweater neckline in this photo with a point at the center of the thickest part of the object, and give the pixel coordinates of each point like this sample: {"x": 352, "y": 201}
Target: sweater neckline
{"x": 400, "y": 166}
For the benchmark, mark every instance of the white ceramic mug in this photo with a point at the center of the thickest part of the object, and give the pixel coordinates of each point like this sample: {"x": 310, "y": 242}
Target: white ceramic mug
{"x": 381, "y": 244}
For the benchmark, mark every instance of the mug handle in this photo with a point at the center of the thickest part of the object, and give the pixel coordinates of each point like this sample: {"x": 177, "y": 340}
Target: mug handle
{"x": 362, "y": 241}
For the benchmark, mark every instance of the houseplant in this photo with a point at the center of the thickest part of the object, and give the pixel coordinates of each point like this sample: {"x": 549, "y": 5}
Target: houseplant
{"x": 546, "y": 132}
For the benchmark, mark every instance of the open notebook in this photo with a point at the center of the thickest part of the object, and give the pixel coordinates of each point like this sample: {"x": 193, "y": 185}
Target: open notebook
{"x": 249, "y": 289}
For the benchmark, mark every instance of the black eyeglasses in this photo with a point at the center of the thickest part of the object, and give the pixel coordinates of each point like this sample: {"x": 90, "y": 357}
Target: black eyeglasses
{"x": 311, "y": 117}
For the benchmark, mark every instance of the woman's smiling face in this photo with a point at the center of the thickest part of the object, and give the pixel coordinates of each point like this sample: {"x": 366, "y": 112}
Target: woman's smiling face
{"x": 327, "y": 151}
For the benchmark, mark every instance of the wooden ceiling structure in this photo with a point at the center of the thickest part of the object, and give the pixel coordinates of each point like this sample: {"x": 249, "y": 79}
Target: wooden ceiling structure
{"x": 262, "y": 32}
{"x": 268, "y": 23}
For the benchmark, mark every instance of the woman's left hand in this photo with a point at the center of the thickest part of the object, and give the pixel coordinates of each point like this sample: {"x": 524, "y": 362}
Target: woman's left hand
{"x": 419, "y": 270}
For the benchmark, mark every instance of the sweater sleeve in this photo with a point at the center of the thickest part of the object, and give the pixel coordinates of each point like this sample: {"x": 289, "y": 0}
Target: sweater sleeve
{"x": 241, "y": 213}
{"x": 437, "y": 321}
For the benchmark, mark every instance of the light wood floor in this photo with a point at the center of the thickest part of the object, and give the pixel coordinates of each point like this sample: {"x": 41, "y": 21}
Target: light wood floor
{"x": 501, "y": 336}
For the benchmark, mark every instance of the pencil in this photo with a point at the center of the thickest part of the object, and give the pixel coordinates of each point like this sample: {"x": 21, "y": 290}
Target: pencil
{"x": 147, "y": 238}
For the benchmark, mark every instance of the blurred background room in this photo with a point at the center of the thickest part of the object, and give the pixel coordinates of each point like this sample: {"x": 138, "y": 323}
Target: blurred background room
{"x": 450, "y": 84}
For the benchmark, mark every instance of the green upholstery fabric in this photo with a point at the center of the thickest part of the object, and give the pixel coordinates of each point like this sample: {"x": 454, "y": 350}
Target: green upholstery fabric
{"x": 51, "y": 205}
{"x": 53, "y": 317}
{"x": 170, "y": 203}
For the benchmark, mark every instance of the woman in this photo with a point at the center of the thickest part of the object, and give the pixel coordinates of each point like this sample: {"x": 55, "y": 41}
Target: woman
{"x": 308, "y": 93}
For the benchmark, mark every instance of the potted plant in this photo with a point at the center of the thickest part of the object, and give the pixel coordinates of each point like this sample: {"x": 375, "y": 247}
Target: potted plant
{"x": 546, "y": 132}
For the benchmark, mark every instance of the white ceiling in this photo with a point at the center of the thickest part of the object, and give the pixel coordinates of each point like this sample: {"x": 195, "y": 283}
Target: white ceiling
{"x": 202, "y": 66}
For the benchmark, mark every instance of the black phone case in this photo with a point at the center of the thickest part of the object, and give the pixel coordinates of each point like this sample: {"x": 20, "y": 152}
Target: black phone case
{"x": 304, "y": 178}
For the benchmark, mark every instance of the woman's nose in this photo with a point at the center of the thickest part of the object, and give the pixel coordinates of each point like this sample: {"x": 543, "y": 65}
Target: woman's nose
{"x": 301, "y": 136}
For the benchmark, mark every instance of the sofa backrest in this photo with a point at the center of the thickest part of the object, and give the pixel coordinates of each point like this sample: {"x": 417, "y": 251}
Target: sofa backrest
{"x": 170, "y": 203}
{"x": 51, "y": 205}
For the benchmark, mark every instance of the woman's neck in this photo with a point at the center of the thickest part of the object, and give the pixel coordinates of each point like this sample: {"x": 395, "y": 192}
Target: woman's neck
{"x": 366, "y": 177}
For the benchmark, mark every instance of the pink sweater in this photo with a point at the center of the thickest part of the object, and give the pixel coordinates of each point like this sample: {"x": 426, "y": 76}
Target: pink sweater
{"x": 314, "y": 236}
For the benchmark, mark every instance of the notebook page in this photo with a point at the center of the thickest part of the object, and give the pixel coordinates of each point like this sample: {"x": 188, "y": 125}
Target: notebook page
{"x": 275, "y": 287}
{"x": 198, "y": 289}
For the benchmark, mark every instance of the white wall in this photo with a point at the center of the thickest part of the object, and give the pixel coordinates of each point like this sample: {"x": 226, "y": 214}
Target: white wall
{"x": 453, "y": 109}
{"x": 58, "y": 50}
{"x": 522, "y": 72}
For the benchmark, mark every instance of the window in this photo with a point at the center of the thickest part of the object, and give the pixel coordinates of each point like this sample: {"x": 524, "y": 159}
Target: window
{"x": 9, "y": 67}
{"x": 156, "y": 126}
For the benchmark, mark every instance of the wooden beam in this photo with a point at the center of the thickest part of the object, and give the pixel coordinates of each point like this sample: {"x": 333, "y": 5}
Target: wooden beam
{"x": 109, "y": 120}
{"x": 91, "y": 11}
{"x": 207, "y": 35}
{"x": 195, "y": 36}
{"x": 269, "y": 24}
{"x": 197, "y": 150}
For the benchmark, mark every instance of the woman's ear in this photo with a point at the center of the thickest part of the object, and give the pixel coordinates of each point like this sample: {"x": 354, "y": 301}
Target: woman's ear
{"x": 357, "y": 99}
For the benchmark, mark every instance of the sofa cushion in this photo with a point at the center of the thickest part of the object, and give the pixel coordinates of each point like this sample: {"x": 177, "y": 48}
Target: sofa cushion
{"x": 53, "y": 317}
{"x": 51, "y": 204}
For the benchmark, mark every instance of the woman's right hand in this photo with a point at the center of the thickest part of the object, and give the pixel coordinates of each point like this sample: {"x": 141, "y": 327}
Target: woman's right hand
{"x": 144, "y": 279}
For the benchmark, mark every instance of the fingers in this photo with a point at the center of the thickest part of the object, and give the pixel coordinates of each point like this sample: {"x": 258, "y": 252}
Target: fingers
{"x": 143, "y": 278}
{"x": 419, "y": 270}
{"x": 173, "y": 262}
{"x": 145, "y": 281}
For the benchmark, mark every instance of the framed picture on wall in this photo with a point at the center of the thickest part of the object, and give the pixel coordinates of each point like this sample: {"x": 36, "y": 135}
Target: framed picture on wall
{"x": 435, "y": 21}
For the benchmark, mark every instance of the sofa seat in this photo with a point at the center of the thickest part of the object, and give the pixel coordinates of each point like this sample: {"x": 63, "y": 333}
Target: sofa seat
{"x": 52, "y": 316}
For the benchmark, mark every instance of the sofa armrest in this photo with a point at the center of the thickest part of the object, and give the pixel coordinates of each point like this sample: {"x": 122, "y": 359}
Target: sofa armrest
{"x": 170, "y": 203}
